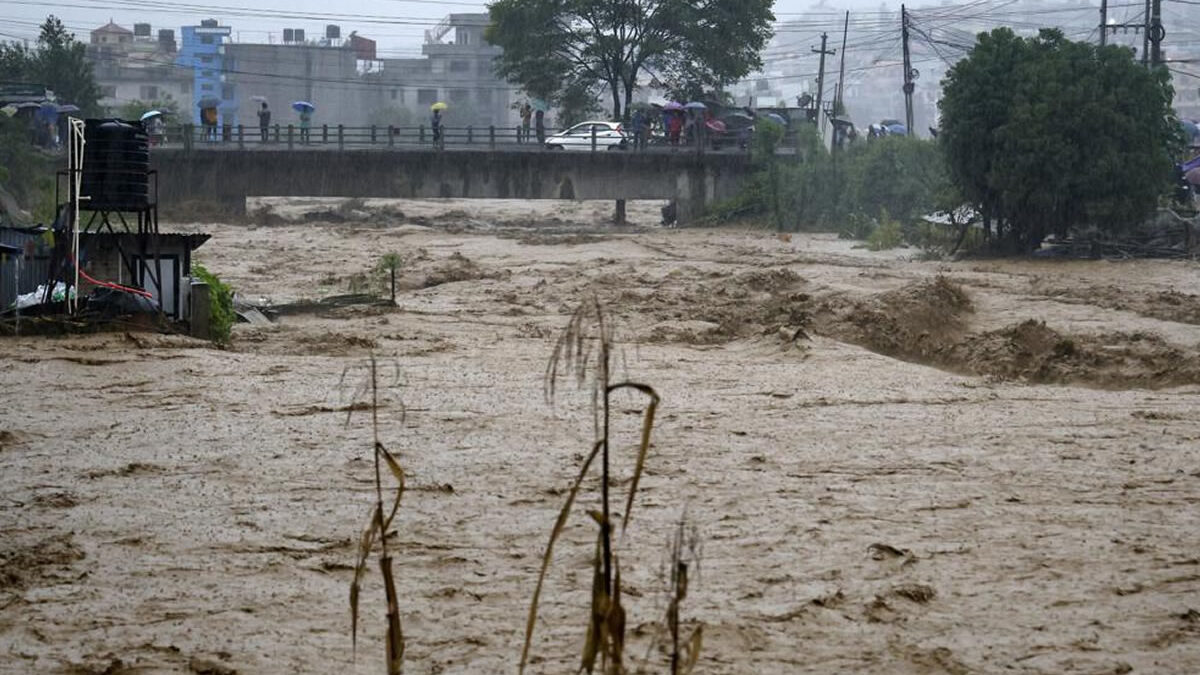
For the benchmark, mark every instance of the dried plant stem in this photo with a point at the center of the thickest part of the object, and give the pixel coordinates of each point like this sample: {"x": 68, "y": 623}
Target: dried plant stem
{"x": 584, "y": 349}
{"x": 378, "y": 527}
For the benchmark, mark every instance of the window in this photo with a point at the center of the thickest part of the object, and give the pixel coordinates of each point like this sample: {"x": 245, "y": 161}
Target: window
{"x": 108, "y": 91}
{"x": 483, "y": 97}
{"x": 227, "y": 92}
{"x": 185, "y": 87}
{"x": 206, "y": 39}
{"x": 206, "y": 58}
{"x": 427, "y": 96}
{"x": 460, "y": 95}
{"x": 148, "y": 92}
{"x": 460, "y": 66}
{"x": 206, "y": 87}
{"x": 393, "y": 94}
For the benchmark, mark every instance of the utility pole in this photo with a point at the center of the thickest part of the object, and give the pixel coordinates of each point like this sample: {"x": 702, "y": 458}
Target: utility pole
{"x": 839, "y": 130}
{"x": 908, "y": 82}
{"x": 1103, "y": 22}
{"x": 821, "y": 83}
{"x": 1156, "y": 33}
{"x": 1146, "y": 35}
{"x": 842, "y": 68}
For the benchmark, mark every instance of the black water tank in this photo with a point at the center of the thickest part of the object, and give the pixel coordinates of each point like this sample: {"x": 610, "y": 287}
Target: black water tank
{"x": 116, "y": 166}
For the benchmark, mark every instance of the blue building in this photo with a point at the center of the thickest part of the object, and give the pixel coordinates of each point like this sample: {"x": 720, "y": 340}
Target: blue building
{"x": 202, "y": 49}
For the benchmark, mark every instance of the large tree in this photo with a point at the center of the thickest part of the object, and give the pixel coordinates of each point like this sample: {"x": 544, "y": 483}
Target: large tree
{"x": 1044, "y": 135}
{"x": 551, "y": 46}
{"x": 58, "y": 62}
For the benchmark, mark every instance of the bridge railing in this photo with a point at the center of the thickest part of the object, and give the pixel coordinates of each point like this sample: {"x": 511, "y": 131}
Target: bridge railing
{"x": 326, "y": 136}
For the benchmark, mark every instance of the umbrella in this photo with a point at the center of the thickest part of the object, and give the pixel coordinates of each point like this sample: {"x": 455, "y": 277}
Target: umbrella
{"x": 540, "y": 104}
{"x": 777, "y": 118}
{"x": 890, "y": 123}
{"x": 47, "y": 112}
{"x": 262, "y": 99}
{"x": 673, "y": 105}
{"x": 69, "y": 108}
{"x": 738, "y": 121}
{"x": 208, "y": 102}
{"x": 716, "y": 126}
{"x": 151, "y": 115}
{"x": 695, "y": 105}
{"x": 9, "y": 110}
{"x": 896, "y": 129}
{"x": 303, "y": 106}
{"x": 440, "y": 105}
{"x": 1190, "y": 129}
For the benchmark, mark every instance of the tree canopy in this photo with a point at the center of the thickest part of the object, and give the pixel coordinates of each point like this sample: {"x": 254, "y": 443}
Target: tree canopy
{"x": 1044, "y": 135}
{"x": 553, "y": 46}
{"x": 58, "y": 62}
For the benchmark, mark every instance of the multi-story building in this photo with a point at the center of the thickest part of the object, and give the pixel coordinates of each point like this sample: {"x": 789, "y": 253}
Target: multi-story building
{"x": 458, "y": 70}
{"x": 134, "y": 66}
{"x": 203, "y": 52}
{"x": 324, "y": 73}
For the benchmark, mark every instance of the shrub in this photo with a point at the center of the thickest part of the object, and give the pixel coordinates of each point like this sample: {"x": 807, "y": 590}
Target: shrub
{"x": 221, "y": 311}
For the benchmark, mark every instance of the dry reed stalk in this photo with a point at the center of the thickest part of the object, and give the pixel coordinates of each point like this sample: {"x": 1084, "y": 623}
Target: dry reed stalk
{"x": 584, "y": 350}
{"x": 377, "y": 528}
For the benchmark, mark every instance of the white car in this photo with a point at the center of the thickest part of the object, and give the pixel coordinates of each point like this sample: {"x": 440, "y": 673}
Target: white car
{"x": 609, "y": 136}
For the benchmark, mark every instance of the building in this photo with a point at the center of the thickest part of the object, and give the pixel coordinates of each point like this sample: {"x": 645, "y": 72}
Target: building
{"x": 457, "y": 68}
{"x": 134, "y": 66}
{"x": 324, "y": 74}
{"x": 203, "y": 52}
{"x": 113, "y": 36}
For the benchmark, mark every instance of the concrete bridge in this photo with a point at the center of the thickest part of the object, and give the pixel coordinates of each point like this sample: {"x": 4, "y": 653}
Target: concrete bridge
{"x": 225, "y": 177}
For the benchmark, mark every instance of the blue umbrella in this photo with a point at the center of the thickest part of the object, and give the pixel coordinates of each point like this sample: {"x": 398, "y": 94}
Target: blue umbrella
{"x": 777, "y": 118}
{"x": 897, "y": 130}
{"x": 302, "y": 106}
{"x": 539, "y": 104}
{"x": 151, "y": 114}
{"x": 695, "y": 105}
{"x": 68, "y": 108}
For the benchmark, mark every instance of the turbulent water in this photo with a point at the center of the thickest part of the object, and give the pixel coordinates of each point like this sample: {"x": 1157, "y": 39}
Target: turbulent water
{"x": 892, "y": 466}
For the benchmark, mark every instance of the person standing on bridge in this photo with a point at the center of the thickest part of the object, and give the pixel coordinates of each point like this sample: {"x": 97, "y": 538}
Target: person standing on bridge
{"x": 305, "y": 123}
{"x": 526, "y": 114}
{"x": 639, "y": 129}
{"x": 435, "y": 122}
{"x": 264, "y": 122}
{"x": 540, "y": 124}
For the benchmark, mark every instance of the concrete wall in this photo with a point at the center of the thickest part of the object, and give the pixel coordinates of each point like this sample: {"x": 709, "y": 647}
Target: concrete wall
{"x": 324, "y": 76}
{"x": 228, "y": 176}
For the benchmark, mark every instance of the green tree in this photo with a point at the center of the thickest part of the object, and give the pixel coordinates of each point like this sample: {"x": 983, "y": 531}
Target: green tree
{"x": 1045, "y": 135}
{"x": 551, "y": 44}
{"x": 577, "y": 102}
{"x": 896, "y": 175}
{"x": 135, "y": 109}
{"x": 58, "y": 62}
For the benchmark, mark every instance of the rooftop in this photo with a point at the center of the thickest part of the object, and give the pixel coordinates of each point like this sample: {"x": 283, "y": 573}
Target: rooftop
{"x": 111, "y": 27}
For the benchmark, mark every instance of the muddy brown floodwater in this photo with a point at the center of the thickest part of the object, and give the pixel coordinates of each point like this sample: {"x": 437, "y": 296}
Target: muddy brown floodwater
{"x": 893, "y": 466}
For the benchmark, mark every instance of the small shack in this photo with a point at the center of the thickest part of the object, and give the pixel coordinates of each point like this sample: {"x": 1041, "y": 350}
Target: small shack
{"x": 159, "y": 263}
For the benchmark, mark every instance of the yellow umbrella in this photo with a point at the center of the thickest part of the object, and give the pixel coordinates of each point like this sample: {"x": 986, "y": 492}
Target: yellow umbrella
{"x": 438, "y": 106}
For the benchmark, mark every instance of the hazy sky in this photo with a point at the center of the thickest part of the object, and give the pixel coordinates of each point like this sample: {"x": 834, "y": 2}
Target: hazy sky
{"x": 397, "y": 25}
